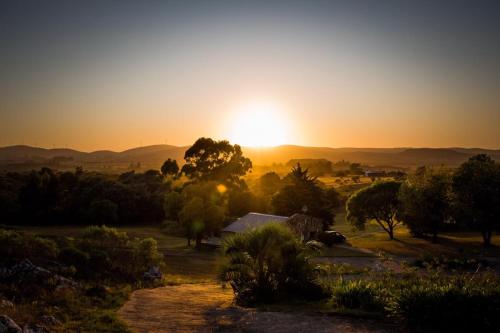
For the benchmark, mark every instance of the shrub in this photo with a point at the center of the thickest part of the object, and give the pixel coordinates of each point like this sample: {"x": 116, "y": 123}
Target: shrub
{"x": 448, "y": 309}
{"x": 269, "y": 264}
{"x": 17, "y": 246}
{"x": 360, "y": 295}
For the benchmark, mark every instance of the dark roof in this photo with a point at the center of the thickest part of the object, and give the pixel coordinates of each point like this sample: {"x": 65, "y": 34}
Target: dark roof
{"x": 252, "y": 221}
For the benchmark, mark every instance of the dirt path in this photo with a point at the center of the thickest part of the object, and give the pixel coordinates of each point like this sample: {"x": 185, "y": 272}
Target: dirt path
{"x": 208, "y": 308}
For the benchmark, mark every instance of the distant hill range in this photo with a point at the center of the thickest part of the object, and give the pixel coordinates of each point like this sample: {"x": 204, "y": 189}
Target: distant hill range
{"x": 153, "y": 156}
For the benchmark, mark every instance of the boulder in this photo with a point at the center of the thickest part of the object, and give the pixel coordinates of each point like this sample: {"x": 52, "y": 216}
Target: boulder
{"x": 49, "y": 321}
{"x": 154, "y": 273}
{"x": 26, "y": 272}
{"x": 7, "y": 325}
{"x": 35, "y": 329}
{"x": 6, "y": 304}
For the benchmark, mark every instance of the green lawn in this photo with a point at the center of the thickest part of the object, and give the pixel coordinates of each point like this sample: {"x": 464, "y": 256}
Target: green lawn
{"x": 375, "y": 239}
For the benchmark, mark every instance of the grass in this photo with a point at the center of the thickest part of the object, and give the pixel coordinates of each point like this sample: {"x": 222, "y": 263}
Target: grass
{"x": 450, "y": 243}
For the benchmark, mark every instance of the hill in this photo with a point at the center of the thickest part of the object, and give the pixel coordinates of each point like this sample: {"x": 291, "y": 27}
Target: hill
{"x": 152, "y": 156}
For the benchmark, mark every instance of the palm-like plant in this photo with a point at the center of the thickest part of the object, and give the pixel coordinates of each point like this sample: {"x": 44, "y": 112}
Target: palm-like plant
{"x": 267, "y": 264}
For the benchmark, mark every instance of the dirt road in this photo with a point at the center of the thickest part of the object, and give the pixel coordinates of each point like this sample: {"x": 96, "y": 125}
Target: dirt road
{"x": 208, "y": 308}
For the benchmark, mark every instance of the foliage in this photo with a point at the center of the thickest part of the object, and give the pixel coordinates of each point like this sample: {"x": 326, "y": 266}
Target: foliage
{"x": 269, "y": 183}
{"x": 172, "y": 205}
{"x": 16, "y": 246}
{"x": 170, "y": 168}
{"x": 242, "y": 202}
{"x": 425, "y": 202}
{"x": 203, "y": 210}
{"x": 476, "y": 185}
{"x": 302, "y": 194}
{"x": 269, "y": 264}
{"x": 426, "y": 303}
{"x": 47, "y": 197}
{"x": 378, "y": 202}
{"x": 358, "y": 294}
{"x": 211, "y": 160}
{"x": 316, "y": 167}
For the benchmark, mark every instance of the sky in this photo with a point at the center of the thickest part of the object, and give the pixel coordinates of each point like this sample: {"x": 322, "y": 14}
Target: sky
{"x": 119, "y": 74}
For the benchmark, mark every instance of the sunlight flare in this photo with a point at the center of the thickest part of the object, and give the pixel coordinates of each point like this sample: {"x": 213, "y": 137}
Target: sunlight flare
{"x": 259, "y": 124}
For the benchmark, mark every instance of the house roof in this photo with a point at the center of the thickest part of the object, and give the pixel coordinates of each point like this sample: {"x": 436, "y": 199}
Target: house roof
{"x": 252, "y": 221}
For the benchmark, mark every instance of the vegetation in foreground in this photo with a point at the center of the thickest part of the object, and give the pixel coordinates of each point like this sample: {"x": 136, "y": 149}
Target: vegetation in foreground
{"x": 79, "y": 282}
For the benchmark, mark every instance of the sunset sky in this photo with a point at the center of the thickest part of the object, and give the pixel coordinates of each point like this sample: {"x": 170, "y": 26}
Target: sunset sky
{"x": 118, "y": 74}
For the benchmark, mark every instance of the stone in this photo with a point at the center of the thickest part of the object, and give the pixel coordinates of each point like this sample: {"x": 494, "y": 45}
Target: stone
{"x": 35, "y": 329}
{"x": 6, "y": 304}
{"x": 49, "y": 321}
{"x": 7, "y": 325}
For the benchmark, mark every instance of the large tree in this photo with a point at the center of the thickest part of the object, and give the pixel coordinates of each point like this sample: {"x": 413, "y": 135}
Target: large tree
{"x": 302, "y": 193}
{"x": 425, "y": 202}
{"x": 219, "y": 161}
{"x": 378, "y": 202}
{"x": 170, "y": 168}
{"x": 476, "y": 185}
{"x": 203, "y": 210}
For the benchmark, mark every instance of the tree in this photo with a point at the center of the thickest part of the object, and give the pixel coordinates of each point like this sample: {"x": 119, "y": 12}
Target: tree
{"x": 476, "y": 186}
{"x": 172, "y": 205}
{"x": 378, "y": 202}
{"x": 269, "y": 183}
{"x": 425, "y": 202}
{"x": 203, "y": 210}
{"x": 302, "y": 194}
{"x": 170, "y": 168}
{"x": 211, "y": 160}
{"x": 241, "y": 202}
{"x": 267, "y": 264}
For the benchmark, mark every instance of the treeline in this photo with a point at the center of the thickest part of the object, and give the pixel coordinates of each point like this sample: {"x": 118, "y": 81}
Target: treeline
{"x": 47, "y": 197}
{"x": 197, "y": 199}
{"x": 434, "y": 200}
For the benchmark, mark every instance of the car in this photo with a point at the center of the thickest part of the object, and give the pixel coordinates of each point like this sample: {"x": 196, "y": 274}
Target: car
{"x": 331, "y": 237}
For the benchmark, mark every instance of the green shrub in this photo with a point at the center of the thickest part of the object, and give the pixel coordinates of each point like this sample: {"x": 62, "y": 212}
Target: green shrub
{"x": 269, "y": 264}
{"x": 16, "y": 246}
{"x": 362, "y": 295}
{"x": 448, "y": 309}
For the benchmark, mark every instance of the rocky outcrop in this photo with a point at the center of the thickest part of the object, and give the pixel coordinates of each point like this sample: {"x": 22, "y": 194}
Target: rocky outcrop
{"x": 25, "y": 271}
{"x": 7, "y": 325}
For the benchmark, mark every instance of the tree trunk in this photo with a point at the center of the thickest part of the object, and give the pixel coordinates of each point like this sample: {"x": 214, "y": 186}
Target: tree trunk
{"x": 434, "y": 237}
{"x": 198, "y": 241}
{"x": 189, "y": 241}
{"x": 391, "y": 232}
{"x": 486, "y": 238}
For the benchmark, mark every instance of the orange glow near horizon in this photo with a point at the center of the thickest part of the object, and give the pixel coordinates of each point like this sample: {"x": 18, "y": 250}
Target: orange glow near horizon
{"x": 258, "y": 124}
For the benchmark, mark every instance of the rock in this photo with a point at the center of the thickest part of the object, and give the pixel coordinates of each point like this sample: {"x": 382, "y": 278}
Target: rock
{"x": 6, "y": 304}
{"x": 154, "y": 273}
{"x": 35, "y": 329}
{"x": 7, "y": 325}
{"x": 25, "y": 271}
{"x": 49, "y": 321}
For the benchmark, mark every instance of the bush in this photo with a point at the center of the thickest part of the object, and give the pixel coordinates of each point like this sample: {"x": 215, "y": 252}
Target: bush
{"x": 16, "y": 246}
{"x": 429, "y": 303}
{"x": 269, "y": 264}
{"x": 360, "y": 295}
{"x": 448, "y": 309}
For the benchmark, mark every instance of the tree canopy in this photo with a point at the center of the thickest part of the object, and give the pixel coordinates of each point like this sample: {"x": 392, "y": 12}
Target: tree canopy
{"x": 425, "y": 202}
{"x": 476, "y": 185}
{"x": 303, "y": 194}
{"x": 378, "y": 202}
{"x": 212, "y": 160}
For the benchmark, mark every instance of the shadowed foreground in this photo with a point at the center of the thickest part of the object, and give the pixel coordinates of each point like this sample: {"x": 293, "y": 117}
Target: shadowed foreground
{"x": 209, "y": 308}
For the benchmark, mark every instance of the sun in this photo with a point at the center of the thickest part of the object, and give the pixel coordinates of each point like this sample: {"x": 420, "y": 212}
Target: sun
{"x": 258, "y": 125}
